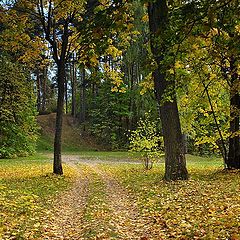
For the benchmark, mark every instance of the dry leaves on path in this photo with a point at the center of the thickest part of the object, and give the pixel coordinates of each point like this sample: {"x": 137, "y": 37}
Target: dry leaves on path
{"x": 97, "y": 207}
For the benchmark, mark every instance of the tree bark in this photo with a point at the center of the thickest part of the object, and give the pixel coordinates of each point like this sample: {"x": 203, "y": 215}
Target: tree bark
{"x": 233, "y": 161}
{"x": 175, "y": 162}
{"x": 44, "y": 90}
{"x": 57, "y": 165}
{"x": 38, "y": 90}
{"x": 73, "y": 83}
{"x": 83, "y": 97}
{"x": 66, "y": 97}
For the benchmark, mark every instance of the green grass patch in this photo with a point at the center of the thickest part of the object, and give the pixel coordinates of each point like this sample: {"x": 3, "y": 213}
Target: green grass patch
{"x": 27, "y": 190}
{"x": 107, "y": 156}
{"x": 45, "y": 143}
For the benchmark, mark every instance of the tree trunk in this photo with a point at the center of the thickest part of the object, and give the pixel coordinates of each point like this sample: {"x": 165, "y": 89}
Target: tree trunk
{"x": 233, "y": 161}
{"x": 73, "y": 82}
{"x": 83, "y": 97}
{"x": 66, "y": 97}
{"x": 38, "y": 90}
{"x": 57, "y": 165}
{"x": 44, "y": 90}
{"x": 175, "y": 162}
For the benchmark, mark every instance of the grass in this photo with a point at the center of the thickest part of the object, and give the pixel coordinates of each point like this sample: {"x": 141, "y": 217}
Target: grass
{"x": 27, "y": 190}
{"x": 205, "y": 207}
{"x": 96, "y": 211}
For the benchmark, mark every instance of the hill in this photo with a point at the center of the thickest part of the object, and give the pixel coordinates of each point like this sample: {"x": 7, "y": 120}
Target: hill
{"x": 74, "y": 137}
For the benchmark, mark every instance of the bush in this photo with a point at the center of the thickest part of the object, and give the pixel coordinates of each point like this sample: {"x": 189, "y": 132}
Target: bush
{"x": 18, "y": 127}
{"x": 147, "y": 140}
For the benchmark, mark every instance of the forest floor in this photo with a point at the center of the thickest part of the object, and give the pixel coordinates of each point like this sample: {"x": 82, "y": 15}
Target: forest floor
{"x": 97, "y": 207}
{"x": 119, "y": 200}
{"x": 102, "y": 197}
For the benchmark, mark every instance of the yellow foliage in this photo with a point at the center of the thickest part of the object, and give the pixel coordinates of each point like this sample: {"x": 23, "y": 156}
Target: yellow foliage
{"x": 94, "y": 60}
{"x": 116, "y": 78}
{"x": 178, "y": 65}
{"x": 237, "y": 28}
{"x": 145, "y": 18}
{"x": 147, "y": 84}
{"x": 113, "y": 51}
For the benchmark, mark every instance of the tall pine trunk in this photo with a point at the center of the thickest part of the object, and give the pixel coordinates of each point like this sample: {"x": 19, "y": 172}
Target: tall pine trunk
{"x": 73, "y": 83}
{"x": 57, "y": 165}
{"x": 83, "y": 97}
{"x": 175, "y": 162}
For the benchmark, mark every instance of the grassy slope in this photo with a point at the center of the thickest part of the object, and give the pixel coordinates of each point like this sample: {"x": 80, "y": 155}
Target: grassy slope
{"x": 73, "y": 139}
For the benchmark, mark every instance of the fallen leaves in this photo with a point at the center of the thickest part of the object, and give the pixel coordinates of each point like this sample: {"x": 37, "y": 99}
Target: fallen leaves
{"x": 26, "y": 193}
{"x": 119, "y": 202}
{"x": 205, "y": 207}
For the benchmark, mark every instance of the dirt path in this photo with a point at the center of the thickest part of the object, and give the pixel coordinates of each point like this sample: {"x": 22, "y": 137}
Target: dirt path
{"x": 125, "y": 217}
{"x": 66, "y": 221}
{"x": 117, "y": 217}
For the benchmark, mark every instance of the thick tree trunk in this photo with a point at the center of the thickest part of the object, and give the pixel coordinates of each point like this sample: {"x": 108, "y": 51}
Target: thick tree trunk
{"x": 175, "y": 162}
{"x": 233, "y": 160}
{"x": 57, "y": 165}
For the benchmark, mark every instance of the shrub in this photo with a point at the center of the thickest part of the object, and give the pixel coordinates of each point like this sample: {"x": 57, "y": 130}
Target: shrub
{"x": 18, "y": 128}
{"x": 146, "y": 139}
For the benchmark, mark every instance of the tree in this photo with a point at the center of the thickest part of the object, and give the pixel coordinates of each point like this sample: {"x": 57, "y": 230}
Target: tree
{"x": 214, "y": 51}
{"x": 175, "y": 162}
{"x": 203, "y": 95}
{"x": 225, "y": 19}
{"x": 67, "y": 27}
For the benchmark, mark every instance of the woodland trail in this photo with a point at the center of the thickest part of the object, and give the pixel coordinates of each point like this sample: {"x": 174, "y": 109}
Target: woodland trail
{"x": 97, "y": 207}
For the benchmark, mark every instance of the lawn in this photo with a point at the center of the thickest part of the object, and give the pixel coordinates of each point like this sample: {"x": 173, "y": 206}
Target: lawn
{"x": 27, "y": 189}
{"x": 207, "y": 206}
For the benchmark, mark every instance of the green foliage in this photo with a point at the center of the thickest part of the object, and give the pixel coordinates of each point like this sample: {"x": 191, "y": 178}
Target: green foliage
{"x": 108, "y": 116}
{"x": 18, "y": 128}
{"x": 147, "y": 140}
